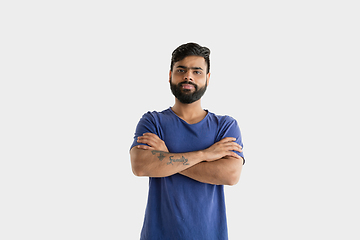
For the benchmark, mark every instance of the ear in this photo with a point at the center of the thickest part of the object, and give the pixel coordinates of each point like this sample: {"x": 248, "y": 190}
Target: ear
{"x": 170, "y": 76}
{"x": 208, "y": 79}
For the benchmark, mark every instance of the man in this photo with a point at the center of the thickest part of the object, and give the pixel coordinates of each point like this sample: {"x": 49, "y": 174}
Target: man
{"x": 188, "y": 153}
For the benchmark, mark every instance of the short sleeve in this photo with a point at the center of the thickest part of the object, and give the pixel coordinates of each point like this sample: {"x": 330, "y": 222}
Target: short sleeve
{"x": 230, "y": 128}
{"x": 147, "y": 124}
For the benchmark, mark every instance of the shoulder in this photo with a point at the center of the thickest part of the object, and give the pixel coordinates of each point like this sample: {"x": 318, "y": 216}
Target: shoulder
{"x": 156, "y": 118}
{"x": 150, "y": 121}
{"x": 222, "y": 119}
{"x": 225, "y": 125}
{"x": 155, "y": 115}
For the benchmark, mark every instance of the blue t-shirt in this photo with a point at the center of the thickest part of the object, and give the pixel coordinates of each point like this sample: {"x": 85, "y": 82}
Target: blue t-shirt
{"x": 180, "y": 208}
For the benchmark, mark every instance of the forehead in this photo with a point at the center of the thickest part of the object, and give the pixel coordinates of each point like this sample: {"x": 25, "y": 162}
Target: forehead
{"x": 192, "y": 61}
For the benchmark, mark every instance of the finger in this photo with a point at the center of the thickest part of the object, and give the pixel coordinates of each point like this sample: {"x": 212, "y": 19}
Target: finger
{"x": 149, "y": 137}
{"x": 235, "y": 155}
{"x": 145, "y": 147}
{"x": 151, "y": 134}
{"x": 232, "y": 154}
{"x": 233, "y": 146}
{"x": 237, "y": 147}
{"x": 146, "y": 139}
{"x": 143, "y": 139}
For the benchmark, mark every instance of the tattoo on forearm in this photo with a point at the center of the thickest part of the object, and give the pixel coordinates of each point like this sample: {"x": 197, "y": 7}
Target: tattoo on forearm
{"x": 182, "y": 159}
{"x": 161, "y": 156}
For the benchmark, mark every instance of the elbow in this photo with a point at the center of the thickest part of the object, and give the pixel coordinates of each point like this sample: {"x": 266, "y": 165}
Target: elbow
{"x": 137, "y": 165}
{"x": 233, "y": 179}
{"x": 233, "y": 176}
{"x": 137, "y": 170}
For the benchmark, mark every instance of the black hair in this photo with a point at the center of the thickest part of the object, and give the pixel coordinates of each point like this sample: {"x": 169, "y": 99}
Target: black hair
{"x": 190, "y": 49}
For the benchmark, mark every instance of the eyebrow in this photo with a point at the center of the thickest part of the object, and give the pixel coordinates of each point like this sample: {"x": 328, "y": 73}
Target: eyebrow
{"x": 194, "y": 68}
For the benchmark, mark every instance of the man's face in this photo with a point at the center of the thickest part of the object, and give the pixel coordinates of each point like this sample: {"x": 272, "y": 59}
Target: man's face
{"x": 188, "y": 79}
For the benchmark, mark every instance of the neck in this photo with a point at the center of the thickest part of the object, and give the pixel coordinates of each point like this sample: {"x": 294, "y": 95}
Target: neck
{"x": 191, "y": 113}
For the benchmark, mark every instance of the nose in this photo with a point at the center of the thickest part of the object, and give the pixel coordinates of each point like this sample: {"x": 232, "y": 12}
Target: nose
{"x": 188, "y": 76}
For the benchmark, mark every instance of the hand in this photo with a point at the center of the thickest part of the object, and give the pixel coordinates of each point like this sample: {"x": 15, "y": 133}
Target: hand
{"x": 154, "y": 142}
{"x": 223, "y": 148}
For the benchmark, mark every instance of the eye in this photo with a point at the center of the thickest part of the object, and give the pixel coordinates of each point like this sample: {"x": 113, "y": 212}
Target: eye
{"x": 180, "y": 70}
{"x": 197, "y": 72}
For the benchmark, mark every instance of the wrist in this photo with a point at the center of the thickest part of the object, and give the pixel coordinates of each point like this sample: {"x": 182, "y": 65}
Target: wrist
{"x": 203, "y": 155}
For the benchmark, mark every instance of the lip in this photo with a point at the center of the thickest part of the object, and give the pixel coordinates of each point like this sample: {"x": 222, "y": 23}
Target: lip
{"x": 187, "y": 86}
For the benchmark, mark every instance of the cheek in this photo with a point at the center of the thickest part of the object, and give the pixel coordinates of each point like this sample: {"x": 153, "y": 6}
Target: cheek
{"x": 202, "y": 80}
{"x": 175, "y": 78}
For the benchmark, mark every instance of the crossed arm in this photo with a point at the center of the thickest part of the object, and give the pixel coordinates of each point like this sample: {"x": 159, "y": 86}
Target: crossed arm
{"x": 217, "y": 164}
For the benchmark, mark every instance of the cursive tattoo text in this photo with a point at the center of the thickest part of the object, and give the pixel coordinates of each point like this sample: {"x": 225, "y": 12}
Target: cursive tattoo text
{"x": 182, "y": 159}
{"x": 162, "y": 155}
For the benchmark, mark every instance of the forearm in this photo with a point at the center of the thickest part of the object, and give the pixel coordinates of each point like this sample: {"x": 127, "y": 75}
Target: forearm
{"x": 225, "y": 171}
{"x": 155, "y": 163}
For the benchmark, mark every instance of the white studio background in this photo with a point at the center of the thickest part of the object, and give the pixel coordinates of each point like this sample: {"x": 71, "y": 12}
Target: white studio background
{"x": 76, "y": 76}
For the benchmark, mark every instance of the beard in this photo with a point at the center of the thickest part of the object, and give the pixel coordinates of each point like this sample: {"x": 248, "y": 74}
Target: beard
{"x": 185, "y": 95}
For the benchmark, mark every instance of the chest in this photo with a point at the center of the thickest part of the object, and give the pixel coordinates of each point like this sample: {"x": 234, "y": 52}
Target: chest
{"x": 182, "y": 137}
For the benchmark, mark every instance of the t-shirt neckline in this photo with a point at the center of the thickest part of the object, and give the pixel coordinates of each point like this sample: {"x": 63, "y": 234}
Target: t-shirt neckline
{"x": 187, "y": 122}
